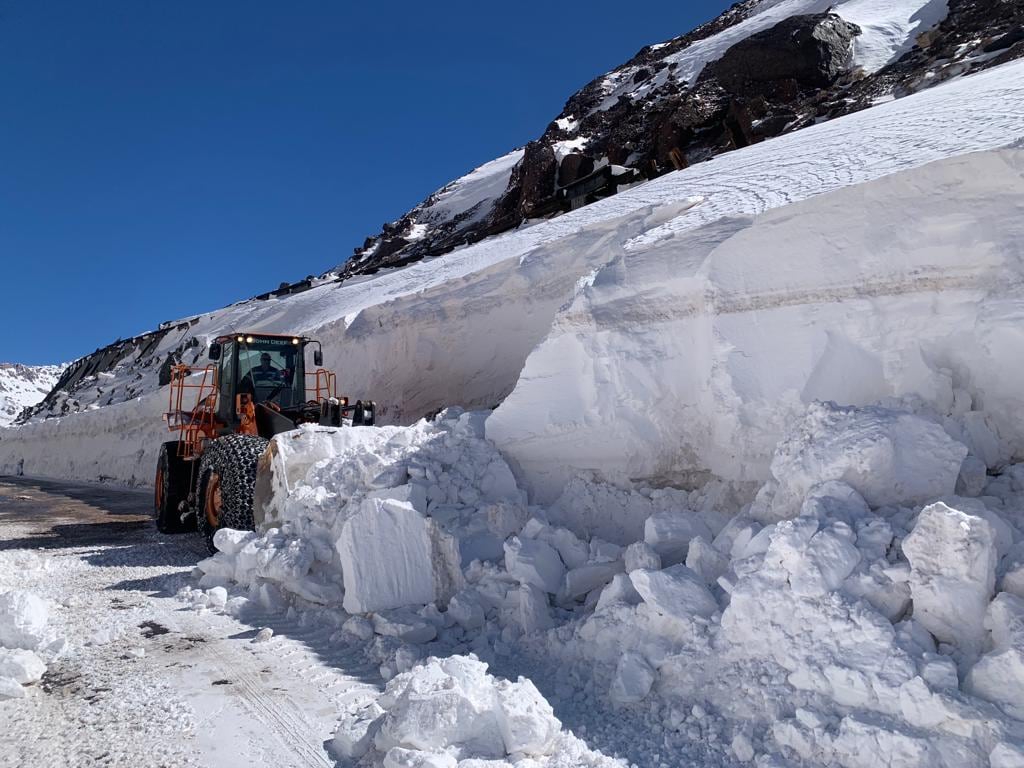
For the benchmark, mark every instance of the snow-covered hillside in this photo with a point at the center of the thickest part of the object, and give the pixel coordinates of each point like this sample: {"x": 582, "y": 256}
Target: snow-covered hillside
{"x": 761, "y": 69}
{"x": 22, "y": 386}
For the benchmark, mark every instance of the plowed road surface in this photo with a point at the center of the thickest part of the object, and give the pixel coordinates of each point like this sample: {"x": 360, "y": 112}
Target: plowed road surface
{"x": 146, "y": 680}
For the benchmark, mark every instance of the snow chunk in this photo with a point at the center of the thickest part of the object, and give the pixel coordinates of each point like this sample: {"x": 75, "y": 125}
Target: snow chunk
{"x": 669, "y": 534}
{"x": 23, "y": 619}
{"x": 527, "y": 723}
{"x": 356, "y": 730}
{"x": 454, "y": 703}
{"x": 707, "y": 562}
{"x": 999, "y": 675}
{"x": 676, "y": 591}
{"x": 633, "y": 679}
{"x": 534, "y": 615}
{"x": 388, "y": 558}
{"x": 534, "y": 562}
{"x": 23, "y": 666}
{"x": 890, "y": 457}
{"x": 579, "y": 581}
{"x": 640, "y": 554}
{"x": 953, "y": 561}
{"x": 11, "y": 689}
{"x": 1006, "y": 756}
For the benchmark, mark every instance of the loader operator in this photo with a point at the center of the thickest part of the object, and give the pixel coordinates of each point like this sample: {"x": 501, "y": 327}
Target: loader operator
{"x": 265, "y": 377}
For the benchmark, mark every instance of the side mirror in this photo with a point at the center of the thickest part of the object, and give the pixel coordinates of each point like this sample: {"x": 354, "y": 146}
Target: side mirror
{"x": 215, "y": 350}
{"x": 318, "y": 358}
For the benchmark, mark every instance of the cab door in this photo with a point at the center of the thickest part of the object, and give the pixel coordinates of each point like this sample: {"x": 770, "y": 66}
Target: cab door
{"x": 227, "y": 377}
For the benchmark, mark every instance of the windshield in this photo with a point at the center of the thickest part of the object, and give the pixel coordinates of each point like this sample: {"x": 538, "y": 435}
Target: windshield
{"x": 272, "y": 370}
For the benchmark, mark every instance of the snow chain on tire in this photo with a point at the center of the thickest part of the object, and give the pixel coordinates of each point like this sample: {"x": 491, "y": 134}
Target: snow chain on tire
{"x": 233, "y": 459}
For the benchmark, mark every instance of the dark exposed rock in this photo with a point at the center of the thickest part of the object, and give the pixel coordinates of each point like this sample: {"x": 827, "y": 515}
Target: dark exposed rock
{"x": 811, "y": 51}
{"x": 574, "y": 166}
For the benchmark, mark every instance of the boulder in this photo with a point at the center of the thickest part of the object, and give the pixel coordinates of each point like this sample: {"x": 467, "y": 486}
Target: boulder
{"x": 812, "y": 50}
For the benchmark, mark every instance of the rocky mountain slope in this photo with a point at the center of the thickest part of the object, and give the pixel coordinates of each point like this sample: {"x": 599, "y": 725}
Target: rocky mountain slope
{"x": 22, "y": 386}
{"x": 762, "y": 69}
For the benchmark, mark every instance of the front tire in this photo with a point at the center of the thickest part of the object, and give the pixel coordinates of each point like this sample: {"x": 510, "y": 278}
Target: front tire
{"x": 227, "y": 479}
{"x": 170, "y": 488}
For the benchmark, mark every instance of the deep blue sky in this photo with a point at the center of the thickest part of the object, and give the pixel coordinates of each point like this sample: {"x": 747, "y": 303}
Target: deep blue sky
{"x": 164, "y": 158}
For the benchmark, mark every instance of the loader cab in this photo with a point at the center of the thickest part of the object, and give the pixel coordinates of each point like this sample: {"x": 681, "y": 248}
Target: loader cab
{"x": 270, "y": 369}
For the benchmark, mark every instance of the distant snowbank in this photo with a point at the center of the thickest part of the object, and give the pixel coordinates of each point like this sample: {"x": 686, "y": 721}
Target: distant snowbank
{"x": 691, "y": 356}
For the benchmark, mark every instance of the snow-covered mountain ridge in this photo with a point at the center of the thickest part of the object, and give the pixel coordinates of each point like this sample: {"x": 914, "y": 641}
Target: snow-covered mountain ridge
{"x": 761, "y": 69}
{"x": 22, "y": 386}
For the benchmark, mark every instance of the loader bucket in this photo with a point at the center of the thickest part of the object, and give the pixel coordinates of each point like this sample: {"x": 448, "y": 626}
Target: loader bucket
{"x": 264, "y": 506}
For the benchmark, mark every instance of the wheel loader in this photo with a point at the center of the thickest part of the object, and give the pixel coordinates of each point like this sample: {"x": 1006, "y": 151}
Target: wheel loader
{"x": 255, "y": 386}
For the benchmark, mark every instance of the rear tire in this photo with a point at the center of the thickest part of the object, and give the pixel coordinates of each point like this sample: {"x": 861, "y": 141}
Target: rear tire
{"x": 227, "y": 479}
{"x": 170, "y": 488}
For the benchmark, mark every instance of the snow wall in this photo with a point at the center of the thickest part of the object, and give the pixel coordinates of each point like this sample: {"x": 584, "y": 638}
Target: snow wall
{"x": 691, "y": 356}
{"x": 457, "y": 330}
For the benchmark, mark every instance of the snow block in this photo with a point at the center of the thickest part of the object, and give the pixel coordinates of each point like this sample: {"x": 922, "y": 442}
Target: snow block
{"x": 676, "y": 591}
{"x": 707, "y": 562}
{"x": 230, "y": 542}
{"x": 998, "y": 676}
{"x": 356, "y": 730}
{"x": 466, "y": 609}
{"x": 23, "y": 619}
{"x": 619, "y": 590}
{"x": 442, "y": 703}
{"x": 669, "y": 534}
{"x": 579, "y": 581}
{"x": 633, "y": 679}
{"x": 23, "y": 666}
{"x": 534, "y": 614}
{"x": 1006, "y": 756}
{"x": 533, "y": 562}
{"x": 389, "y": 558}
{"x": 952, "y": 574}
{"x": 11, "y": 689}
{"x": 452, "y": 705}
{"x": 640, "y": 554}
{"x": 527, "y": 723}
{"x": 405, "y": 625}
{"x": 890, "y": 457}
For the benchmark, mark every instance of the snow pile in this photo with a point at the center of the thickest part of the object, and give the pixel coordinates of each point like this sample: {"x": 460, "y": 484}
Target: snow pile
{"x": 377, "y": 519}
{"x": 838, "y": 635}
{"x": 450, "y": 712}
{"x": 855, "y": 610}
{"x": 690, "y": 355}
{"x": 23, "y": 636}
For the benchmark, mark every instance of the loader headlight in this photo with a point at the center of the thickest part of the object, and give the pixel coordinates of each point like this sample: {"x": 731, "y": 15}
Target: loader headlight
{"x": 240, "y": 339}
{"x": 295, "y": 341}
{"x": 248, "y": 339}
